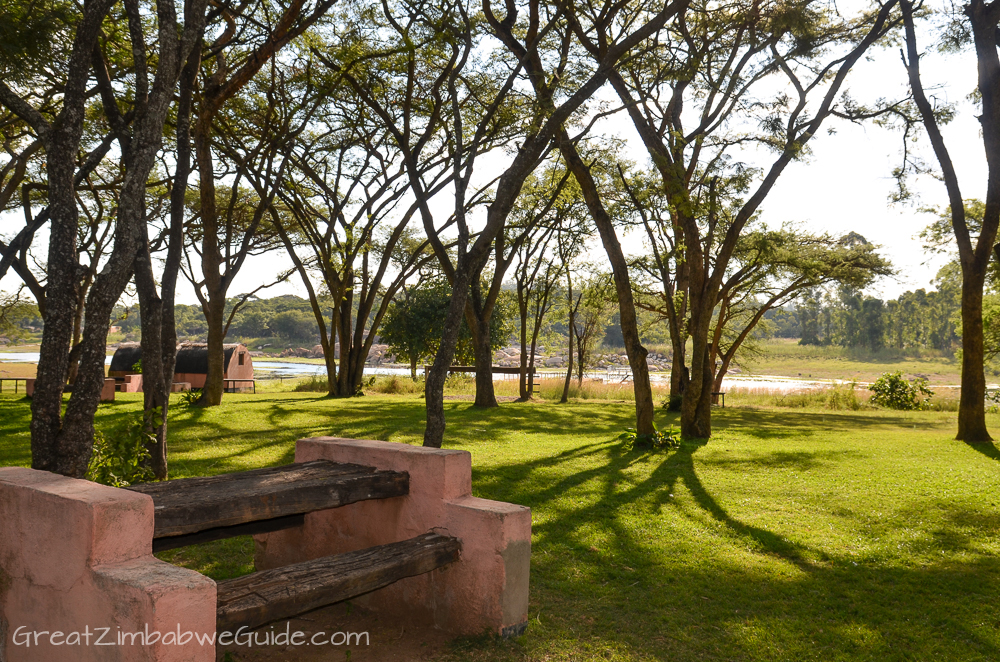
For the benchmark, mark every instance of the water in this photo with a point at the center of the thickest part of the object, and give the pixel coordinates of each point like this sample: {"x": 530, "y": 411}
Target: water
{"x": 285, "y": 369}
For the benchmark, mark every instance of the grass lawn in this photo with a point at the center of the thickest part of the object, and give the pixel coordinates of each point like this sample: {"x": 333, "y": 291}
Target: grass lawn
{"x": 792, "y": 535}
{"x": 788, "y": 358}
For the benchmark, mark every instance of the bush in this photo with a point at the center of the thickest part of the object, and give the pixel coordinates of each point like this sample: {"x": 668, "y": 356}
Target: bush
{"x": 892, "y": 391}
{"x": 120, "y": 455}
{"x": 631, "y": 439}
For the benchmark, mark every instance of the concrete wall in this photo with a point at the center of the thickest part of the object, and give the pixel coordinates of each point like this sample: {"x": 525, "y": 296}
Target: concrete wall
{"x": 76, "y": 557}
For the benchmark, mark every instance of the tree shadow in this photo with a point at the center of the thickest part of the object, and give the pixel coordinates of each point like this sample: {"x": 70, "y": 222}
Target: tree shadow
{"x": 987, "y": 448}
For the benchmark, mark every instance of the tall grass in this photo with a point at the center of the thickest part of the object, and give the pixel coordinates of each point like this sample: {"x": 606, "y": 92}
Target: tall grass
{"x": 838, "y": 397}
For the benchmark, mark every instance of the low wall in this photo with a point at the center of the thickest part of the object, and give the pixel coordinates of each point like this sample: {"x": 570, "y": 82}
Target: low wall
{"x": 76, "y": 558}
{"x": 107, "y": 391}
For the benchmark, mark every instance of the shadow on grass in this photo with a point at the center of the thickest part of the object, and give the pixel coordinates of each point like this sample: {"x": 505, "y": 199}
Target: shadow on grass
{"x": 630, "y": 595}
{"x": 986, "y": 448}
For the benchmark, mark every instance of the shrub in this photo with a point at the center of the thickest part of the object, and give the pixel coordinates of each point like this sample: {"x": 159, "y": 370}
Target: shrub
{"x": 631, "y": 439}
{"x": 892, "y": 391}
{"x": 120, "y": 455}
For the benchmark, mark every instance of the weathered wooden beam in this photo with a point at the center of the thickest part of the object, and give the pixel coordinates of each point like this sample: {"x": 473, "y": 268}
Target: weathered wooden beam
{"x": 271, "y": 595}
{"x": 222, "y": 532}
{"x": 190, "y": 505}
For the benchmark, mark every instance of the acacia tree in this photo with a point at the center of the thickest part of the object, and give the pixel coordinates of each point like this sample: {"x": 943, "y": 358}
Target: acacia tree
{"x": 526, "y": 31}
{"x": 591, "y": 317}
{"x": 550, "y": 210}
{"x": 340, "y": 204}
{"x": 62, "y": 443}
{"x": 980, "y": 26}
{"x": 693, "y": 96}
{"x": 771, "y": 268}
{"x": 437, "y": 98}
{"x": 255, "y": 32}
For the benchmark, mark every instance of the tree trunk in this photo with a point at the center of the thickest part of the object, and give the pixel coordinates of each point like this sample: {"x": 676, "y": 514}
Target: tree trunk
{"x": 522, "y": 377}
{"x": 569, "y": 368}
{"x": 677, "y": 382}
{"x": 696, "y": 404}
{"x": 211, "y": 394}
{"x": 62, "y": 142}
{"x": 485, "y": 393}
{"x": 413, "y": 368}
{"x": 630, "y": 328}
{"x": 434, "y": 382}
{"x": 155, "y": 384}
{"x": 971, "y": 407}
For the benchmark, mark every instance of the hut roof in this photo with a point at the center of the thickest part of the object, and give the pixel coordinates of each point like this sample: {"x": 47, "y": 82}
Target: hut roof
{"x": 192, "y": 358}
{"x": 126, "y": 356}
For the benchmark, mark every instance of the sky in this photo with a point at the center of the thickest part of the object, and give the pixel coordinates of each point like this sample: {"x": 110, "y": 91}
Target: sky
{"x": 843, "y": 186}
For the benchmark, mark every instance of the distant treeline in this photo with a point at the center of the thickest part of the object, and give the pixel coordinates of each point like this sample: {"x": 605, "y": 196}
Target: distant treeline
{"x": 846, "y": 317}
{"x": 288, "y": 317}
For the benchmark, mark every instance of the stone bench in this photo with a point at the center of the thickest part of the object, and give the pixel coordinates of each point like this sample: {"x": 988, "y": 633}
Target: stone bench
{"x": 392, "y": 523}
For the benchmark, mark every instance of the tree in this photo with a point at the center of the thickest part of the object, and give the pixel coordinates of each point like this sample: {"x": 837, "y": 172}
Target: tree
{"x": 414, "y": 325}
{"x": 63, "y": 443}
{"x": 692, "y": 96}
{"x": 973, "y": 251}
{"x": 592, "y": 315}
{"x": 770, "y": 268}
{"x": 254, "y": 35}
{"x": 340, "y": 206}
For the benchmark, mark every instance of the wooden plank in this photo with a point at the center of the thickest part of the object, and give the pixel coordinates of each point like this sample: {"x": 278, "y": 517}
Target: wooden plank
{"x": 271, "y": 595}
{"x": 222, "y": 532}
{"x": 189, "y": 505}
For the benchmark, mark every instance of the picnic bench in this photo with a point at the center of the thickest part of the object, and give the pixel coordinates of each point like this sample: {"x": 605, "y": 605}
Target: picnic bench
{"x": 391, "y": 526}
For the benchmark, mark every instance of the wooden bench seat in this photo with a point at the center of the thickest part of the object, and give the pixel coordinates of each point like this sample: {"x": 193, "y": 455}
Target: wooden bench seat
{"x": 271, "y": 595}
{"x": 194, "y": 510}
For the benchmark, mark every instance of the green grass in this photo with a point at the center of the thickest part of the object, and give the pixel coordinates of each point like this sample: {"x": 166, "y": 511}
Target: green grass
{"x": 794, "y": 534}
{"x": 788, "y": 358}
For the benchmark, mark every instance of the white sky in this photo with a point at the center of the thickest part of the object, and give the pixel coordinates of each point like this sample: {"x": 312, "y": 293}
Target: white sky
{"x": 843, "y": 187}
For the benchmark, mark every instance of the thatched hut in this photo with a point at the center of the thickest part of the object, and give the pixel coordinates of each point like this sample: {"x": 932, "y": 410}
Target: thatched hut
{"x": 192, "y": 364}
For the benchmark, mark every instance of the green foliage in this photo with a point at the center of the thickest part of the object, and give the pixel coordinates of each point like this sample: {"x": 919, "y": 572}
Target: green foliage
{"x": 188, "y": 398}
{"x": 395, "y": 385}
{"x": 843, "y": 397}
{"x": 294, "y": 325}
{"x": 658, "y": 439}
{"x": 137, "y": 367}
{"x": 892, "y": 391}
{"x": 120, "y": 456}
{"x": 16, "y": 314}
{"x": 414, "y": 325}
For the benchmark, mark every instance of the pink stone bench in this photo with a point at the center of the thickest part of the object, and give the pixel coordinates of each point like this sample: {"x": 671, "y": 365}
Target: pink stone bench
{"x": 76, "y": 557}
{"x": 392, "y": 523}
{"x": 487, "y": 590}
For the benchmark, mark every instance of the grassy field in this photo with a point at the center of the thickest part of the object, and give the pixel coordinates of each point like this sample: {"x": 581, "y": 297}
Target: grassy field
{"x": 794, "y": 534}
{"x": 788, "y": 358}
